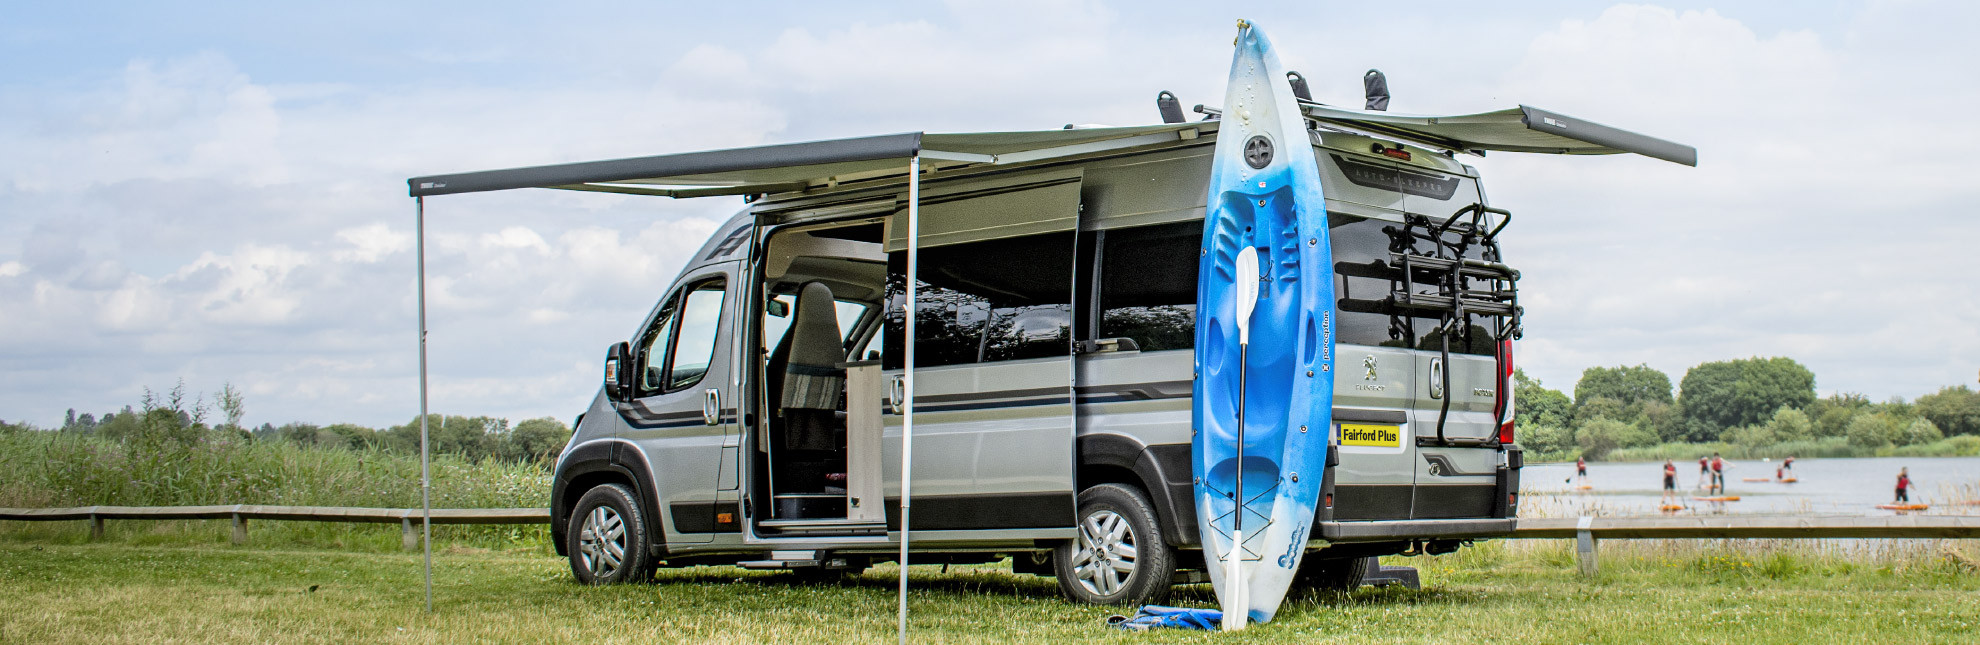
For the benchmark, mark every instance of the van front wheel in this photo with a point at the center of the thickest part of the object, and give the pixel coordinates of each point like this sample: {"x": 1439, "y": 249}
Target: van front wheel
{"x": 606, "y": 537}
{"x": 1118, "y": 557}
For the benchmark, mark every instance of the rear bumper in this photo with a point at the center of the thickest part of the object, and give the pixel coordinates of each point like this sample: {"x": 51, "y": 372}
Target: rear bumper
{"x": 1384, "y": 530}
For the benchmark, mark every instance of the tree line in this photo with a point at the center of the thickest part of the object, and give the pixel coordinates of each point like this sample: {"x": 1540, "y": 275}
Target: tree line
{"x": 1751, "y": 402}
{"x": 178, "y": 418}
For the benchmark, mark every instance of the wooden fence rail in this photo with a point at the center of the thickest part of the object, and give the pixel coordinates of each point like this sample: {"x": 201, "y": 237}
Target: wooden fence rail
{"x": 408, "y": 518}
{"x": 1586, "y": 531}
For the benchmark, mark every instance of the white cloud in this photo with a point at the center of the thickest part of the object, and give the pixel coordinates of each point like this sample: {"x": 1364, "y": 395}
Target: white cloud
{"x": 372, "y": 242}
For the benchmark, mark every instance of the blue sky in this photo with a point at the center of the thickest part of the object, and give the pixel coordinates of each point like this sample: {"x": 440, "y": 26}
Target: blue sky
{"x": 217, "y": 193}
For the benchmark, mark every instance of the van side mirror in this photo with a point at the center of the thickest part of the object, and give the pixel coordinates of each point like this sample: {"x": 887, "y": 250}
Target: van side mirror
{"x": 618, "y": 371}
{"x": 777, "y": 308}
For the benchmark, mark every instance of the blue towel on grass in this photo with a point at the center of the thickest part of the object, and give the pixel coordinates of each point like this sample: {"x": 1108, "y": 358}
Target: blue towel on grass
{"x": 1177, "y": 617}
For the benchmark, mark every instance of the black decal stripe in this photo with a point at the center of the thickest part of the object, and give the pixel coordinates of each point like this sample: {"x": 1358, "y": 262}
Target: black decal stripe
{"x": 653, "y": 421}
{"x": 1007, "y": 511}
{"x": 699, "y": 517}
{"x": 1058, "y": 392}
{"x": 1021, "y": 403}
{"x": 1372, "y": 502}
{"x": 1137, "y": 391}
{"x": 1441, "y": 502}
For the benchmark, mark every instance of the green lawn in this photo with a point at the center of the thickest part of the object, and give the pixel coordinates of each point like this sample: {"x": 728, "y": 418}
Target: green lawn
{"x": 58, "y": 591}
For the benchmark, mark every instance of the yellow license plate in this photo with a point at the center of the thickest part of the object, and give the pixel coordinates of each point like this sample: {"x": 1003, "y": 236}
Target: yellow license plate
{"x": 1371, "y": 435}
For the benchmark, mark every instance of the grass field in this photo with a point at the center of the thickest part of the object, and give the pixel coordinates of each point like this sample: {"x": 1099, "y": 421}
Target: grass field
{"x": 59, "y": 591}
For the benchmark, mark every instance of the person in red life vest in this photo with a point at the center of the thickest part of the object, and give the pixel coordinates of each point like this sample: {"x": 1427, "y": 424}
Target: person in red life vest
{"x": 1904, "y": 485}
{"x": 1581, "y": 471}
{"x": 1718, "y": 474}
{"x": 1704, "y": 469}
{"x": 1787, "y": 465}
{"x": 1670, "y": 480}
{"x": 1781, "y": 472}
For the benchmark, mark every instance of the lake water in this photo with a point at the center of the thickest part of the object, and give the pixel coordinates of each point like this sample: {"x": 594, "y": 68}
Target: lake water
{"x": 1826, "y": 487}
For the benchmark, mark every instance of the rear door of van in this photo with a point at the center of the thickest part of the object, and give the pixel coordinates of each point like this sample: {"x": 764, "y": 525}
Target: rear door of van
{"x": 1457, "y": 469}
{"x": 1375, "y": 381}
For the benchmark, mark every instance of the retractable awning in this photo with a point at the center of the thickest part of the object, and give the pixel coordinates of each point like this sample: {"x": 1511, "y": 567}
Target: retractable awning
{"x": 1520, "y": 129}
{"x": 794, "y": 166}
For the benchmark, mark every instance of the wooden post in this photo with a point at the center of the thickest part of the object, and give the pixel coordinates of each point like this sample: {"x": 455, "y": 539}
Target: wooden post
{"x": 1584, "y": 546}
{"x": 95, "y": 527}
{"x": 240, "y": 529}
{"x": 407, "y": 538}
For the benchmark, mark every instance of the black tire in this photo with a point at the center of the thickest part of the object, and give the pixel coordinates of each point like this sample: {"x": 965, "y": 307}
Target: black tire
{"x": 1124, "y": 522}
{"x": 624, "y": 541}
{"x": 1318, "y": 573}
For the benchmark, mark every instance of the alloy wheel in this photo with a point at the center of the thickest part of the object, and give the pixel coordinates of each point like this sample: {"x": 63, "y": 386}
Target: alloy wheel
{"x": 602, "y": 542}
{"x": 1106, "y": 557}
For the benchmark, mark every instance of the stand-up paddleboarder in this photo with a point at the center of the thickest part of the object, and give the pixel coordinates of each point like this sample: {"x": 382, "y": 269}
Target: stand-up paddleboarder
{"x": 1904, "y": 485}
{"x": 1718, "y": 474}
{"x": 1670, "y": 480}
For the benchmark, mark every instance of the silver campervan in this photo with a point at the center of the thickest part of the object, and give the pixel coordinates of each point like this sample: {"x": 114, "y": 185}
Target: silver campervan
{"x": 755, "y": 417}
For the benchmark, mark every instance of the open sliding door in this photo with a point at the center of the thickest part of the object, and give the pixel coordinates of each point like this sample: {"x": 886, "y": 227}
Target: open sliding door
{"x": 993, "y": 429}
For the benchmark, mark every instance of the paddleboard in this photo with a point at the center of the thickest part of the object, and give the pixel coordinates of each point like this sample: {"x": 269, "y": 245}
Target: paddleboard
{"x": 1789, "y": 480}
{"x": 1585, "y": 487}
{"x": 1722, "y": 498}
{"x": 1755, "y": 479}
{"x": 1265, "y": 194}
{"x": 1904, "y": 507}
{"x": 1671, "y": 507}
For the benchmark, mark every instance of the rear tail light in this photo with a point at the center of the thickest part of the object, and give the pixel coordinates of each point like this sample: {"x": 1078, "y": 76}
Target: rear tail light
{"x": 1502, "y": 405}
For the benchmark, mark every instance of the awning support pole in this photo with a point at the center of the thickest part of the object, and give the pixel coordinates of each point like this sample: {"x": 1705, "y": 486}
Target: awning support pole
{"x": 907, "y": 379}
{"x": 425, "y": 477}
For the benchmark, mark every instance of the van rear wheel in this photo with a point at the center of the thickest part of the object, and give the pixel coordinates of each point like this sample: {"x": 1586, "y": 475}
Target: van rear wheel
{"x": 606, "y": 537}
{"x": 1118, "y": 557}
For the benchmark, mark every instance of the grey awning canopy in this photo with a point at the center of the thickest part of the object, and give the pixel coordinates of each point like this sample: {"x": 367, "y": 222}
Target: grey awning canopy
{"x": 793, "y": 166}
{"x": 1521, "y": 129}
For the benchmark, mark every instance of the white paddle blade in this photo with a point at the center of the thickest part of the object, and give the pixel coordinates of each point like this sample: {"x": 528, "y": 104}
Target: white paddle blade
{"x": 1247, "y": 291}
{"x": 1234, "y": 583}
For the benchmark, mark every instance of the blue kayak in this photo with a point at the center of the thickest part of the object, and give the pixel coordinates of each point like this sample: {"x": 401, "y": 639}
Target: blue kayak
{"x": 1264, "y": 193}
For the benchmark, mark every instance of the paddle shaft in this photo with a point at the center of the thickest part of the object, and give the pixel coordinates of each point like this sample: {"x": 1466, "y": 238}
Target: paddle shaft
{"x": 1233, "y": 580}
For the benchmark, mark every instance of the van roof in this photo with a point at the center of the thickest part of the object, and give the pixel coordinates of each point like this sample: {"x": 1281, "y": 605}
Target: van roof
{"x": 797, "y": 166}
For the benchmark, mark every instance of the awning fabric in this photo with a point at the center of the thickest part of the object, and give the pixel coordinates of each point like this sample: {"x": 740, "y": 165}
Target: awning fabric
{"x": 1521, "y": 129}
{"x": 795, "y": 166}
{"x": 791, "y": 166}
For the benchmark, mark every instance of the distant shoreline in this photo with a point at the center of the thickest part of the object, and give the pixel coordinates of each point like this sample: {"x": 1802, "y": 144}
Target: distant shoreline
{"x": 1835, "y": 448}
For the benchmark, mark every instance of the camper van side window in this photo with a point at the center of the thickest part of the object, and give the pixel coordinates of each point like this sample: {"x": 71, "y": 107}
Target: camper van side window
{"x": 995, "y": 300}
{"x": 694, "y": 346}
{"x": 1148, "y": 285}
{"x": 653, "y": 351}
